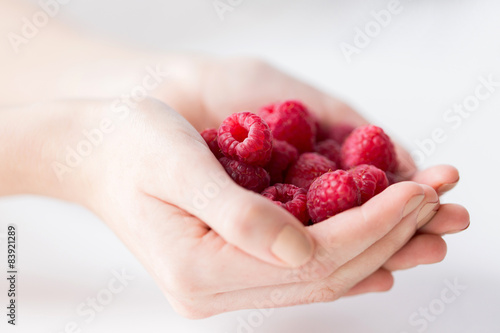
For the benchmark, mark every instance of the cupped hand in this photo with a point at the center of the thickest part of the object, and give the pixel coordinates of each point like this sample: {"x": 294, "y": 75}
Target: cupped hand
{"x": 214, "y": 88}
{"x": 213, "y": 246}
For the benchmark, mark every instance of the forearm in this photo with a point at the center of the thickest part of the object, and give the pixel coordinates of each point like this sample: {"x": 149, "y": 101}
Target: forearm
{"x": 59, "y": 63}
{"x": 16, "y": 147}
{"x": 33, "y": 141}
{"x": 20, "y": 150}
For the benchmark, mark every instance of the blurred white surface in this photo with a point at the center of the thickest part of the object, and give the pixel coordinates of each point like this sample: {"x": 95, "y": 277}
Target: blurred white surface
{"x": 429, "y": 57}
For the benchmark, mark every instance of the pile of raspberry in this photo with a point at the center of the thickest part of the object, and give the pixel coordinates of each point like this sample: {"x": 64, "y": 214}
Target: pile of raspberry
{"x": 311, "y": 170}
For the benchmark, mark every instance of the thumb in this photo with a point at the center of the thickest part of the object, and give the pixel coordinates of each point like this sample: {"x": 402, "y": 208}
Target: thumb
{"x": 241, "y": 217}
{"x": 256, "y": 225}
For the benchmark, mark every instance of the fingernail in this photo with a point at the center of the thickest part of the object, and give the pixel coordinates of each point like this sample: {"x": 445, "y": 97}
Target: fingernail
{"x": 427, "y": 218}
{"x": 425, "y": 211}
{"x": 457, "y": 231}
{"x": 446, "y": 187}
{"x": 292, "y": 247}
{"x": 412, "y": 204}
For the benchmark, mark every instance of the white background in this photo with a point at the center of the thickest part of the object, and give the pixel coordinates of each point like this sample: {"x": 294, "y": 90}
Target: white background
{"x": 428, "y": 58}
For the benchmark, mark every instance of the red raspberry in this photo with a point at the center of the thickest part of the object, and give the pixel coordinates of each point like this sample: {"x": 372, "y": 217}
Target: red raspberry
{"x": 290, "y": 197}
{"x": 370, "y": 181}
{"x": 290, "y": 121}
{"x": 330, "y": 194}
{"x": 340, "y": 132}
{"x": 308, "y": 167}
{"x": 322, "y": 132}
{"x": 210, "y": 137}
{"x": 330, "y": 149}
{"x": 283, "y": 156}
{"x": 369, "y": 145}
{"x": 251, "y": 177}
{"x": 245, "y": 137}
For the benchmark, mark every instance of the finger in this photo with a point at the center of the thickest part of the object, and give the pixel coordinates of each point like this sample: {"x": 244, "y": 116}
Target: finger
{"x": 348, "y": 234}
{"x": 192, "y": 179}
{"x": 421, "y": 249}
{"x": 381, "y": 251}
{"x": 380, "y": 280}
{"x": 247, "y": 220}
{"x": 450, "y": 218}
{"x": 186, "y": 257}
{"x": 342, "y": 238}
{"x": 337, "y": 284}
{"x": 441, "y": 177}
{"x": 206, "y": 306}
{"x": 241, "y": 217}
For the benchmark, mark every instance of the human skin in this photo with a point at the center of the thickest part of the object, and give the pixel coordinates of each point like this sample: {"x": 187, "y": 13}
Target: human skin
{"x": 143, "y": 177}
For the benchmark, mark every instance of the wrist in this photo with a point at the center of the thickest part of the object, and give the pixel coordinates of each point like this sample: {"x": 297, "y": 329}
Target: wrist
{"x": 16, "y": 151}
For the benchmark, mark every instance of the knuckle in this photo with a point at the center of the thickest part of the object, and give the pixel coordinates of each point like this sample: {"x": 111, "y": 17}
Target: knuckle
{"x": 321, "y": 294}
{"x": 333, "y": 244}
{"x": 151, "y": 108}
{"x": 324, "y": 264}
{"x": 239, "y": 223}
{"x": 317, "y": 270}
{"x": 149, "y": 103}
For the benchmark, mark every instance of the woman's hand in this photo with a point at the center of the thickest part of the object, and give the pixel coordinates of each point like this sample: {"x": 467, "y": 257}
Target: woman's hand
{"x": 207, "y": 90}
{"x": 211, "y": 245}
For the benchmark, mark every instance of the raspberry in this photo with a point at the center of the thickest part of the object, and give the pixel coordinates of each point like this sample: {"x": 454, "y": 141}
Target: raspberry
{"x": 210, "y": 137}
{"x": 251, "y": 177}
{"x": 369, "y": 145}
{"x": 322, "y": 132}
{"x": 330, "y": 194}
{"x": 340, "y": 132}
{"x": 370, "y": 181}
{"x": 282, "y": 157}
{"x": 245, "y": 137}
{"x": 290, "y": 197}
{"x": 308, "y": 167}
{"x": 330, "y": 149}
{"x": 290, "y": 121}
